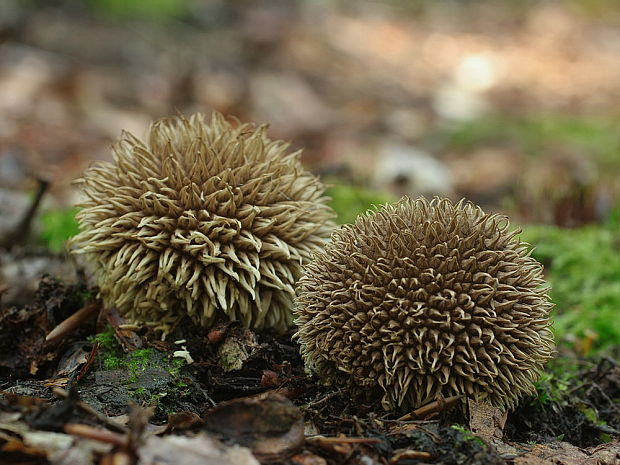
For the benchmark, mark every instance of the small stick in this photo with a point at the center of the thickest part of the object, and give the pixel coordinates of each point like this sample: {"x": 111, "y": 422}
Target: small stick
{"x": 98, "y": 434}
{"x": 434, "y": 407}
{"x": 325, "y": 398}
{"x": 75, "y": 320}
{"x": 343, "y": 440}
{"x": 89, "y": 362}
{"x": 20, "y": 234}
{"x": 202, "y": 391}
{"x": 410, "y": 455}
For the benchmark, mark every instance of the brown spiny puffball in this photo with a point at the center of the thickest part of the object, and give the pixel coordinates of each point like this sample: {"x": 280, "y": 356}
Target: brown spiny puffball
{"x": 210, "y": 220}
{"x": 423, "y": 298}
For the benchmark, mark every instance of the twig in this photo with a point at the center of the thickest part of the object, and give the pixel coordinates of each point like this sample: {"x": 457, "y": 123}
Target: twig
{"x": 204, "y": 393}
{"x": 20, "y": 233}
{"x": 576, "y": 388}
{"x": 417, "y": 425}
{"x": 410, "y": 455}
{"x": 75, "y": 320}
{"x": 434, "y": 407}
{"x": 604, "y": 395}
{"x": 98, "y": 434}
{"x": 323, "y": 399}
{"x": 343, "y": 440}
{"x": 91, "y": 359}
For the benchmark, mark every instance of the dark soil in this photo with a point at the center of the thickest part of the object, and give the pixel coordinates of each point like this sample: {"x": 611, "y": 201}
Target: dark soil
{"x": 586, "y": 415}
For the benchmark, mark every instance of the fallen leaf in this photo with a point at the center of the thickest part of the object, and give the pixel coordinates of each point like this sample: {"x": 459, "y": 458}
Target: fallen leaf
{"x": 268, "y": 423}
{"x": 563, "y": 453}
{"x": 198, "y": 450}
{"x": 485, "y": 420}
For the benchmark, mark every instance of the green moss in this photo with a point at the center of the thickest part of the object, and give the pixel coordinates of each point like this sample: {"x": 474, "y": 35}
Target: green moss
{"x": 111, "y": 355}
{"x": 141, "y": 357}
{"x": 106, "y": 340}
{"x": 177, "y": 364}
{"x": 349, "y": 201}
{"x": 112, "y": 362}
{"x": 468, "y": 435}
{"x": 592, "y": 416}
{"x": 583, "y": 268}
{"x": 57, "y": 227}
{"x": 148, "y": 376}
{"x": 551, "y": 388}
{"x": 138, "y": 361}
{"x": 534, "y": 134}
{"x": 153, "y": 9}
{"x": 140, "y": 392}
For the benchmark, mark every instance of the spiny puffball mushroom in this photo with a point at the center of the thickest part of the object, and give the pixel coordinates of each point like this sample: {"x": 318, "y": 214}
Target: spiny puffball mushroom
{"x": 208, "y": 220}
{"x": 426, "y": 298}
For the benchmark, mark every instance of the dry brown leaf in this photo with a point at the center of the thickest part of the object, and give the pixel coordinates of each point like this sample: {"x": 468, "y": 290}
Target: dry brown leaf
{"x": 198, "y": 450}
{"x": 485, "y": 420}
{"x": 269, "y": 424}
{"x": 563, "y": 453}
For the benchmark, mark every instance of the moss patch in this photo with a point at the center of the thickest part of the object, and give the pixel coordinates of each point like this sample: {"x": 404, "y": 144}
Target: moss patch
{"x": 349, "y": 201}
{"x": 583, "y": 268}
{"x": 146, "y": 376}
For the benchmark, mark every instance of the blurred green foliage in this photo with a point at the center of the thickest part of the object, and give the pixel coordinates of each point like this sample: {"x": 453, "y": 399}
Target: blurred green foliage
{"x": 349, "y": 201}
{"x": 155, "y": 9}
{"x": 596, "y": 8}
{"x": 539, "y": 133}
{"x": 583, "y": 267}
{"x": 57, "y": 226}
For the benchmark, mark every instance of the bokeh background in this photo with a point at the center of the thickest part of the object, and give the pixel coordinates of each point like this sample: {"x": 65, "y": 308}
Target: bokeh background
{"x": 512, "y": 104}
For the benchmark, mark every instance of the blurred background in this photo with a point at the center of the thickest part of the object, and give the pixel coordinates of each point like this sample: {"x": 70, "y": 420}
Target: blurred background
{"x": 512, "y": 104}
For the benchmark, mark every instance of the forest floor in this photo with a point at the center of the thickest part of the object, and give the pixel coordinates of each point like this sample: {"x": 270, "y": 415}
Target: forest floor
{"x": 534, "y": 135}
{"x": 79, "y": 386}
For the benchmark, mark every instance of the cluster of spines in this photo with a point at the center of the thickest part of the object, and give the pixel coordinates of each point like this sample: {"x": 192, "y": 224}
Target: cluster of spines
{"x": 425, "y": 298}
{"x": 205, "y": 220}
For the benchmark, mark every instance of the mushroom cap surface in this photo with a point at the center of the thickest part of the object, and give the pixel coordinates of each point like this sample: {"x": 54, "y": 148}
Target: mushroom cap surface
{"x": 207, "y": 220}
{"x": 426, "y": 298}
